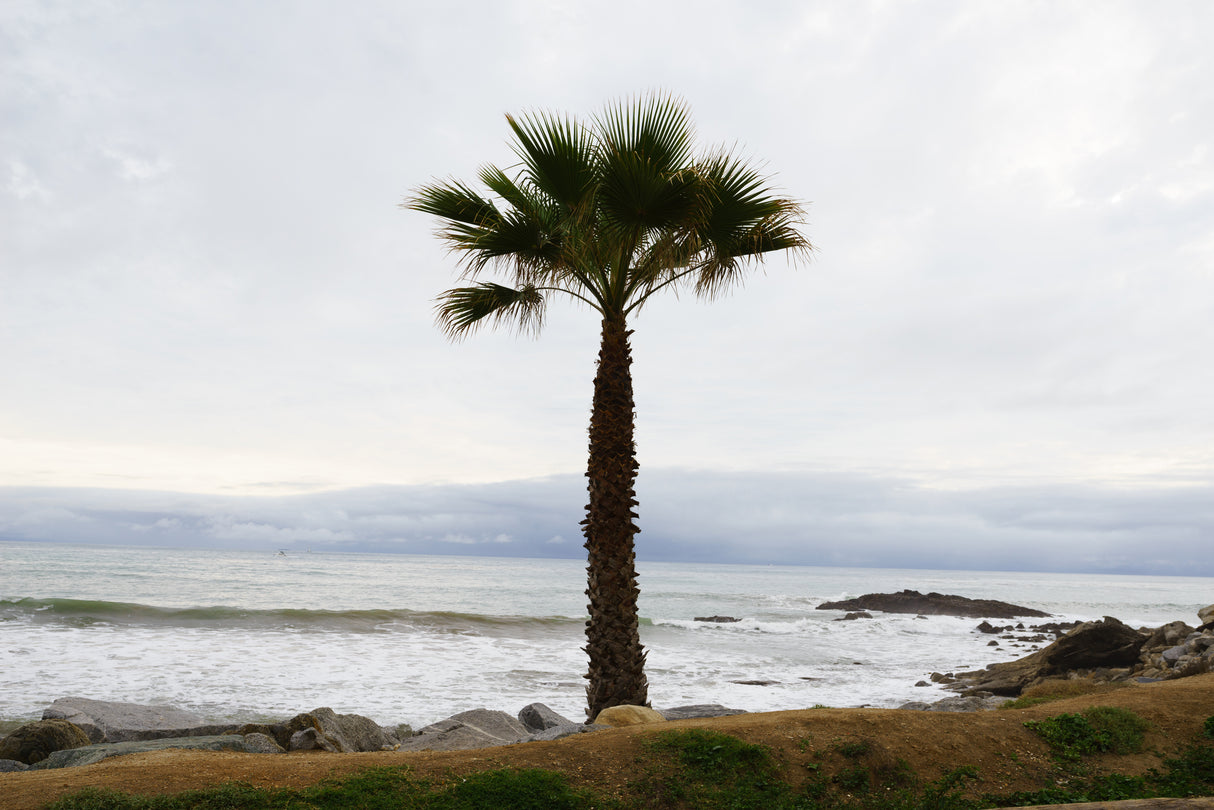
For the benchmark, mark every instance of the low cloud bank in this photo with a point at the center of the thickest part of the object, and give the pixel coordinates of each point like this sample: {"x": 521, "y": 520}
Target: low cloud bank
{"x": 693, "y": 516}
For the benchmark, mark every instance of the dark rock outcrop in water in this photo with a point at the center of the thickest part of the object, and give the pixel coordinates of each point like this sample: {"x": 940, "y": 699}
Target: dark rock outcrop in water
{"x": 933, "y": 604}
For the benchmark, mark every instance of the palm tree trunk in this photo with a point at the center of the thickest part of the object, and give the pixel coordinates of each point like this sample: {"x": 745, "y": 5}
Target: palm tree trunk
{"x": 617, "y": 660}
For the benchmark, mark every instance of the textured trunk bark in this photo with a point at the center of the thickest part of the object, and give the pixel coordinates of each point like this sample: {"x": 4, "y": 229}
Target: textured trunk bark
{"x": 617, "y": 660}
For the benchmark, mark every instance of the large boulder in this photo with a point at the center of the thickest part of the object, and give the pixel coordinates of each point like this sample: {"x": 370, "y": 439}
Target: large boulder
{"x": 34, "y": 742}
{"x": 628, "y": 716}
{"x": 90, "y": 754}
{"x": 478, "y": 728}
{"x": 324, "y": 729}
{"x": 698, "y": 710}
{"x": 108, "y": 721}
{"x": 1206, "y": 614}
{"x": 1091, "y": 645}
{"x": 537, "y": 717}
{"x": 932, "y": 604}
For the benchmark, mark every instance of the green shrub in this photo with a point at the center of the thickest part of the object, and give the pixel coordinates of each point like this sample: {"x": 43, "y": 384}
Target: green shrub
{"x": 1097, "y": 730}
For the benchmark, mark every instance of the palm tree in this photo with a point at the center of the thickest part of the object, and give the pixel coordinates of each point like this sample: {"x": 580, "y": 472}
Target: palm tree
{"x": 608, "y": 212}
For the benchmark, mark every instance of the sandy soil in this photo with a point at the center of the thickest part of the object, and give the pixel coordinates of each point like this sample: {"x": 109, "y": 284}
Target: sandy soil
{"x": 1008, "y": 756}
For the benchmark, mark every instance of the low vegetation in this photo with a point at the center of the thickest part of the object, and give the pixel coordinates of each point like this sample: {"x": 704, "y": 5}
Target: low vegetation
{"x": 1053, "y": 689}
{"x": 1098, "y": 730}
{"x": 698, "y": 768}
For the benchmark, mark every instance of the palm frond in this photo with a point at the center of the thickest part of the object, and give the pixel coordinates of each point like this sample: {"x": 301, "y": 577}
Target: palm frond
{"x": 463, "y": 309}
{"x": 741, "y": 221}
{"x": 453, "y": 201}
{"x": 656, "y": 126}
{"x": 559, "y": 155}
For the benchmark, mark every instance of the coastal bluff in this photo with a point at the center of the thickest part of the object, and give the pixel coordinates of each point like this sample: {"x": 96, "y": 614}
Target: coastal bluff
{"x": 933, "y": 604}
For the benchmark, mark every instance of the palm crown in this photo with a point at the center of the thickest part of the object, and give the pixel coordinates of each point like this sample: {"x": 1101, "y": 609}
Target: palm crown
{"x": 608, "y": 213}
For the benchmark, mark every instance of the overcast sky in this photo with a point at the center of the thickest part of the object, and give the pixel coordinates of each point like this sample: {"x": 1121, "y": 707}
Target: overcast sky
{"x": 1000, "y": 351}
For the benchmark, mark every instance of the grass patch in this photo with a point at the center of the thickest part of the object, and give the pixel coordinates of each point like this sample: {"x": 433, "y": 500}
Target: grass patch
{"x": 1098, "y": 730}
{"x": 374, "y": 789}
{"x": 700, "y": 768}
{"x": 1057, "y": 689}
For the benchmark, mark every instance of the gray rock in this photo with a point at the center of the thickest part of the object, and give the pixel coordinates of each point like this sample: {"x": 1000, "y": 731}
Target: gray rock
{"x": 957, "y": 704}
{"x": 564, "y": 730}
{"x": 312, "y": 739}
{"x": 698, "y": 710}
{"x": 399, "y": 732}
{"x": 12, "y": 766}
{"x": 353, "y": 731}
{"x": 329, "y": 732}
{"x": 538, "y": 717}
{"x": 107, "y": 721}
{"x": 90, "y": 754}
{"x": 479, "y": 728}
{"x": 258, "y": 743}
{"x": 1206, "y": 614}
{"x": 717, "y": 619}
{"x": 1174, "y": 654}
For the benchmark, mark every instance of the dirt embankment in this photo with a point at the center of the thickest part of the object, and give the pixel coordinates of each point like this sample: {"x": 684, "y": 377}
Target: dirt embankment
{"x": 1007, "y": 755}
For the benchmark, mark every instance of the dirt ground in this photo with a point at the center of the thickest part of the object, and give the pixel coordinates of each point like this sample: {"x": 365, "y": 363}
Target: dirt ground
{"x": 1007, "y": 755}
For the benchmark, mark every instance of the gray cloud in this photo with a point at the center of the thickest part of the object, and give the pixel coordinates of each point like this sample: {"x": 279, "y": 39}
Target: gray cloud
{"x": 784, "y": 518}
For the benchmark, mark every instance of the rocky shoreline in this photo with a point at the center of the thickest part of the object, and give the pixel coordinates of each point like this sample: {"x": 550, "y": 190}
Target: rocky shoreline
{"x": 79, "y": 731}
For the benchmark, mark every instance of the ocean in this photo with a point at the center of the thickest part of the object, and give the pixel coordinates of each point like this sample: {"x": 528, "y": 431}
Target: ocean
{"x": 254, "y": 635}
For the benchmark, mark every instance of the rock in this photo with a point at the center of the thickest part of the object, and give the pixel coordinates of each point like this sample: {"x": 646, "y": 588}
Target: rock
{"x": 312, "y": 739}
{"x": 1168, "y": 635}
{"x": 107, "y": 721}
{"x": 537, "y": 717}
{"x": 698, "y": 710}
{"x": 616, "y": 716}
{"x": 934, "y": 604}
{"x": 937, "y": 677}
{"x": 341, "y": 733}
{"x": 479, "y": 728}
{"x": 758, "y": 682}
{"x": 90, "y": 754}
{"x": 401, "y": 731}
{"x": 858, "y": 614}
{"x": 987, "y": 627}
{"x": 973, "y": 703}
{"x": 34, "y": 742}
{"x": 564, "y": 730}
{"x": 1107, "y": 643}
{"x": 1206, "y": 614}
{"x": 262, "y": 744}
{"x": 717, "y": 619}
{"x": 1058, "y": 629}
{"x": 12, "y": 766}
{"x": 992, "y": 643}
{"x": 1174, "y": 654}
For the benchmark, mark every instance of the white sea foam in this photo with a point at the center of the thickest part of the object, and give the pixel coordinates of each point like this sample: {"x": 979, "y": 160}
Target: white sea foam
{"x": 244, "y": 635}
